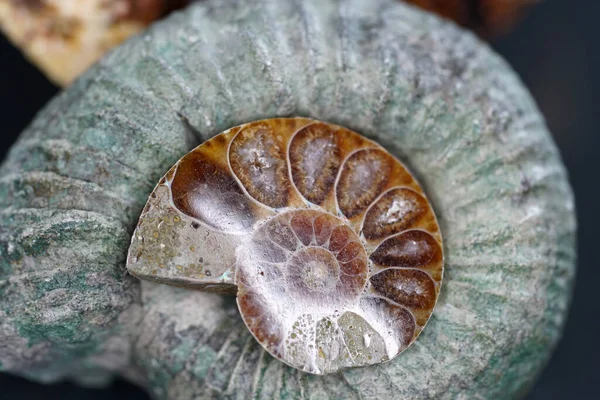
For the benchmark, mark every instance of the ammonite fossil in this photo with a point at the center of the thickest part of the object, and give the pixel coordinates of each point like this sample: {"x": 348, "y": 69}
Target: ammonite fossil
{"x": 330, "y": 243}
{"x": 73, "y": 187}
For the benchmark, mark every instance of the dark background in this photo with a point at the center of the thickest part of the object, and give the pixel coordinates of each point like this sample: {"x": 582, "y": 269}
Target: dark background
{"x": 555, "y": 50}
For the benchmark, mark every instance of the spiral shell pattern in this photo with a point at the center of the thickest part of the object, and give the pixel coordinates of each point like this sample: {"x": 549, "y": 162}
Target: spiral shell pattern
{"x": 330, "y": 243}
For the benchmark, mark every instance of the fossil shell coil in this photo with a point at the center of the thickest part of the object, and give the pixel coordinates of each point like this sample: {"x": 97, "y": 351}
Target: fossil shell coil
{"x": 332, "y": 246}
{"x": 74, "y": 185}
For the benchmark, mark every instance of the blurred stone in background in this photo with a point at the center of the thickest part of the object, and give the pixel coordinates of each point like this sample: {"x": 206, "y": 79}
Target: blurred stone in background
{"x": 489, "y": 18}
{"x": 64, "y": 37}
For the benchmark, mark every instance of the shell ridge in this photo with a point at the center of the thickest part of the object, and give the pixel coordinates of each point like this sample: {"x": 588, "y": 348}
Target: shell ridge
{"x": 50, "y": 147}
{"x": 410, "y": 230}
{"x": 246, "y": 349}
{"x": 382, "y": 269}
{"x": 27, "y": 199}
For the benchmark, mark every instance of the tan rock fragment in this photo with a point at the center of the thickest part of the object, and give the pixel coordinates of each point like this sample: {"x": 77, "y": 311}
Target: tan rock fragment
{"x": 64, "y": 37}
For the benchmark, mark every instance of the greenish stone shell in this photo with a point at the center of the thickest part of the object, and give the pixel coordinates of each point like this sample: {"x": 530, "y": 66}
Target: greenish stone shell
{"x": 72, "y": 188}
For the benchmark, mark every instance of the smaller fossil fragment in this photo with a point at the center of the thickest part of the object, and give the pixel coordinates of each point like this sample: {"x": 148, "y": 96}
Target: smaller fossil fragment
{"x": 64, "y": 37}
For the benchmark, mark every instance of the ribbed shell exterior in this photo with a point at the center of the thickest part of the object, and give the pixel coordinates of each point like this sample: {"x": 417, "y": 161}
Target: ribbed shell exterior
{"x": 74, "y": 185}
{"x": 331, "y": 245}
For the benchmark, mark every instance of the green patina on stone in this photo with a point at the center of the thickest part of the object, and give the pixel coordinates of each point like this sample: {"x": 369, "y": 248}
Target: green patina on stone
{"x": 73, "y": 186}
{"x": 67, "y": 332}
{"x": 204, "y": 359}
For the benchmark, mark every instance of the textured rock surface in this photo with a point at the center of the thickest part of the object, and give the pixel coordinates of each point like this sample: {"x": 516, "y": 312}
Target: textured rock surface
{"x": 72, "y": 187}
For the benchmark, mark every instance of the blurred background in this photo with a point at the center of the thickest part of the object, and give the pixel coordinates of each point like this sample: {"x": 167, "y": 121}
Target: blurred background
{"x": 556, "y": 52}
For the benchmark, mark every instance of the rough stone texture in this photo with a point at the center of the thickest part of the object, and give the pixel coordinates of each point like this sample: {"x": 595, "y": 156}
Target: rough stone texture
{"x": 72, "y": 187}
